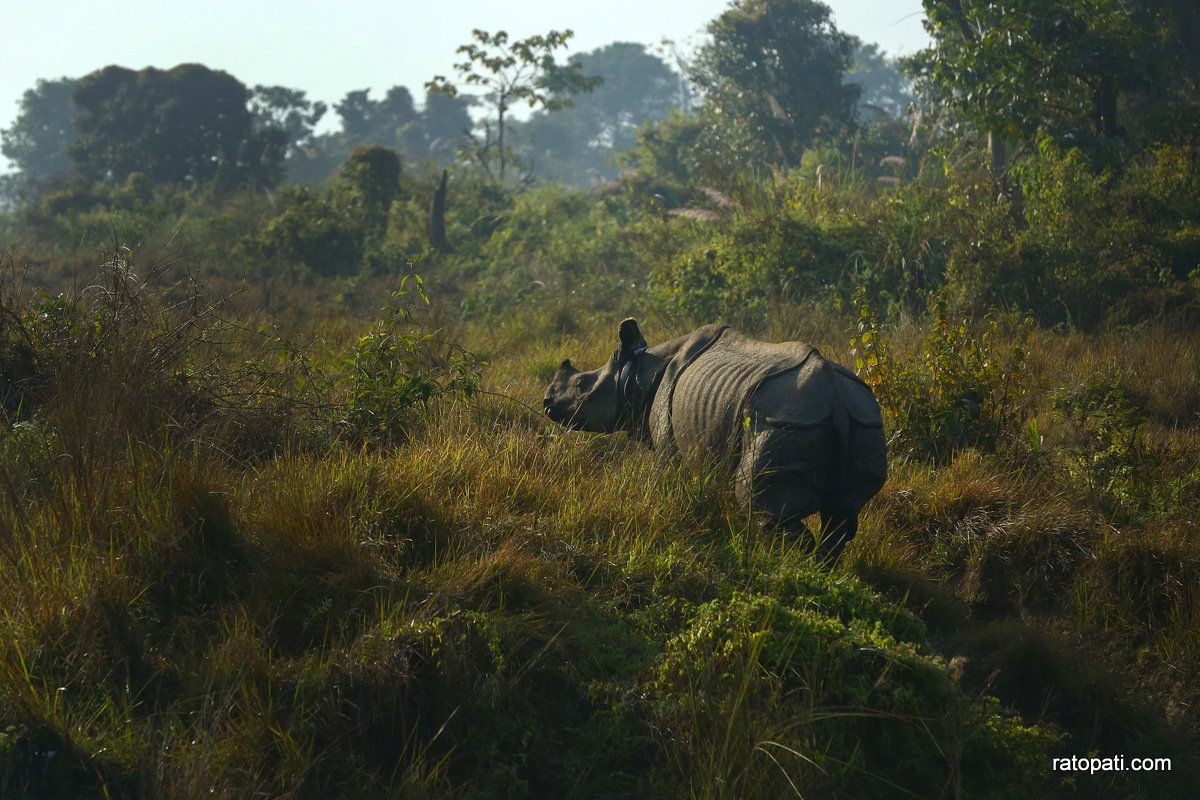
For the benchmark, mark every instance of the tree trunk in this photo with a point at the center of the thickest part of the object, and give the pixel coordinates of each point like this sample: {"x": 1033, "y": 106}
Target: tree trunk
{"x": 437, "y": 217}
{"x": 997, "y": 155}
{"x": 500, "y": 136}
{"x": 1104, "y": 107}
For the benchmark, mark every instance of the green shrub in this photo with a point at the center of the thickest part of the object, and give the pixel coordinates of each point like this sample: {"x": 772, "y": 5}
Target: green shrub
{"x": 763, "y": 697}
{"x": 1085, "y": 244}
{"x": 563, "y": 249}
{"x": 312, "y": 231}
{"x": 334, "y": 232}
{"x": 965, "y": 385}
{"x": 760, "y": 259}
{"x": 396, "y": 370}
{"x": 898, "y": 246}
{"x": 1123, "y": 473}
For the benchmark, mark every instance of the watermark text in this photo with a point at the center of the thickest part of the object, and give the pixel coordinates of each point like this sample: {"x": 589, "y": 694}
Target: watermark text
{"x": 1094, "y": 764}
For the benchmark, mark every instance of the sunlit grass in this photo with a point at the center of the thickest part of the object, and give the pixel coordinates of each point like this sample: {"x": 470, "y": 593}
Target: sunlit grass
{"x": 247, "y": 601}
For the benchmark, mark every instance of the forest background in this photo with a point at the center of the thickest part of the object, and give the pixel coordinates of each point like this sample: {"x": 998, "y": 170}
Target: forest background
{"x": 281, "y": 515}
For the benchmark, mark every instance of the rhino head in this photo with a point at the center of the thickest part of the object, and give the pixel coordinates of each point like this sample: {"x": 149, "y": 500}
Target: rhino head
{"x": 598, "y": 400}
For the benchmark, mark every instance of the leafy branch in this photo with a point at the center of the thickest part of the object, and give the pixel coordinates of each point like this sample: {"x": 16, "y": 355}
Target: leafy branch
{"x": 514, "y": 72}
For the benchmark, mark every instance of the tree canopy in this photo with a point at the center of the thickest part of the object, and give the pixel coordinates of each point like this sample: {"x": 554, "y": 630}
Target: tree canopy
{"x": 432, "y": 131}
{"x": 885, "y": 89}
{"x": 520, "y": 71}
{"x": 186, "y": 126}
{"x": 390, "y": 122}
{"x": 577, "y": 143}
{"x": 773, "y": 77}
{"x": 289, "y": 113}
{"x": 39, "y": 141}
{"x": 1075, "y": 72}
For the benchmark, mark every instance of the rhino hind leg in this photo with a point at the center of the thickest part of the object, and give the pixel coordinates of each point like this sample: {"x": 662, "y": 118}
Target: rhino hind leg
{"x": 838, "y": 526}
{"x": 788, "y": 468}
{"x": 788, "y": 510}
{"x": 787, "y": 500}
{"x": 788, "y": 507}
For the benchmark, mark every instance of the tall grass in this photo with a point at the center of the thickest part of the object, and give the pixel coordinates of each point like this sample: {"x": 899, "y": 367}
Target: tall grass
{"x": 490, "y": 603}
{"x": 215, "y": 582}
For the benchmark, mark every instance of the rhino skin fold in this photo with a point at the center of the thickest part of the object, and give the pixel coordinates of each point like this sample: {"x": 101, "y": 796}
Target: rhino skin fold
{"x": 804, "y": 435}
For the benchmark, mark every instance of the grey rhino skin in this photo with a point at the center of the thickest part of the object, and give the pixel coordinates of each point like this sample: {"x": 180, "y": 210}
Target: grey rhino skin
{"x": 804, "y": 434}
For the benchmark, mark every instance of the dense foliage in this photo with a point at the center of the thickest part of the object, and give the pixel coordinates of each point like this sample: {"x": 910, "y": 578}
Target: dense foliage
{"x": 1076, "y": 72}
{"x": 281, "y": 516}
{"x": 577, "y": 144}
{"x": 188, "y": 126}
{"x": 39, "y": 141}
{"x": 772, "y": 74}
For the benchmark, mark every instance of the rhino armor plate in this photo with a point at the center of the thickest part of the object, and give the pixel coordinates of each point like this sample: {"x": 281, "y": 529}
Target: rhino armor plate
{"x": 806, "y": 434}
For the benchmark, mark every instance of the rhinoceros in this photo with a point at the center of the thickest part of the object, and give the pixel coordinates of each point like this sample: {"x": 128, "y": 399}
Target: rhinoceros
{"x": 803, "y": 434}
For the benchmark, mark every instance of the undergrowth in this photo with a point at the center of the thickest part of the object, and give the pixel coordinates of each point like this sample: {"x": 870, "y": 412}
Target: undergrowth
{"x": 313, "y": 538}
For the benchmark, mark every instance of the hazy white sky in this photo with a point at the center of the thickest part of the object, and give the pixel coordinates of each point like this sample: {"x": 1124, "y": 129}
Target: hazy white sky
{"x": 330, "y": 48}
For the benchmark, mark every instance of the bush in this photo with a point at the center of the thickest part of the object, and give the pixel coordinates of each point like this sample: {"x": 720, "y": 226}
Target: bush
{"x": 761, "y": 259}
{"x": 762, "y": 696}
{"x": 335, "y": 232}
{"x": 1123, "y": 473}
{"x": 1080, "y": 243}
{"x": 127, "y": 363}
{"x": 396, "y": 370}
{"x": 561, "y": 248}
{"x": 965, "y": 385}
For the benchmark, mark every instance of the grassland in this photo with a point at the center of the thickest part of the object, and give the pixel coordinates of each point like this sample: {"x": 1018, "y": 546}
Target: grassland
{"x": 311, "y": 538}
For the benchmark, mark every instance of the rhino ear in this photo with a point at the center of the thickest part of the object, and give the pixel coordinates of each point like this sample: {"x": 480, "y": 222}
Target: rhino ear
{"x": 631, "y": 336}
{"x": 566, "y": 364}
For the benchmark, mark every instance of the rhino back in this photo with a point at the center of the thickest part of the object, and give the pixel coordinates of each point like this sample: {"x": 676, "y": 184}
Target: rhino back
{"x": 801, "y": 397}
{"x": 704, "y": 406}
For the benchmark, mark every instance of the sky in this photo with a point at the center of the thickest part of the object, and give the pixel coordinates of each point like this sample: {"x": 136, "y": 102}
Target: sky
{"x": 331, "y": 48}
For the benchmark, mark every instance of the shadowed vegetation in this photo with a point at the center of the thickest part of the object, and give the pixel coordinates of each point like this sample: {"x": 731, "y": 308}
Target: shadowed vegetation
{"x": 280, "y": 514}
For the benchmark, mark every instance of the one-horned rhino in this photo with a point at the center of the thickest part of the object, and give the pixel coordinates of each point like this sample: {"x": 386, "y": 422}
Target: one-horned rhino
{"x": 804, "y": 434}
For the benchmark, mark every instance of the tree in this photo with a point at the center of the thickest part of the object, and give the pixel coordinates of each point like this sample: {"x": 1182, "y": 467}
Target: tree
{"x": 185, "y": 126}
{"x": 1024, "y": 71}
{"x": 391, "y": 122}
{"x": 369, "y": 182}
{"x": 288, "y": 111}
{"x": 664, "y": 156}
{"x": 885, "y": 89}
{"x": 446, "y": 120}
{"x": 40, "y": 138}
{"x": 520, "y": 71}
{"x": 579, "y": 141}
{"x": 1166, "y": 103}
{"x": 772, "y": 77}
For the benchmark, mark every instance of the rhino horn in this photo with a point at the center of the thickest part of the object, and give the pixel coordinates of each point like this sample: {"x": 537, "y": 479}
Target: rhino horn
{"x": 631, "y": 336}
